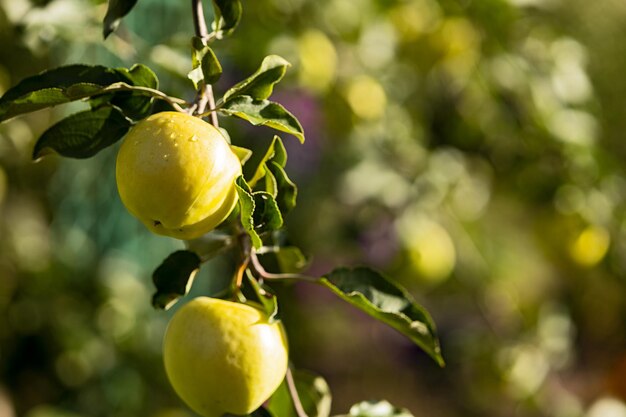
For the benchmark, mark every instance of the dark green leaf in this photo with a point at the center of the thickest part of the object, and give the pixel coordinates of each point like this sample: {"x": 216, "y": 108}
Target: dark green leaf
{"x": 83, "y": 134}
{"x": 266, "y": 214}
{"x": 134, "y": 105}
{"x": 211, "y": 67}
{"x": 242, "y": 153}
{"x": 56, "y": 86}
{"x": 271, "y": 186}
{"x": 275, "y": 152}
{"x": 173, "y": 278}
{"x": 264, "y": 113}
{"x": 286, "y": 190}
{"x": 386, "y": 301}
{"x": 260, "y": 85}
{"x": 376, "y": 409}
{"x": 313, "y": 392}
{"x": 206, "y": 66}
{"x": 246, "y": 210}
{"x": 265, "y": 296}
{"x": 116, "y": 10}
{"x": 227, "y": 16}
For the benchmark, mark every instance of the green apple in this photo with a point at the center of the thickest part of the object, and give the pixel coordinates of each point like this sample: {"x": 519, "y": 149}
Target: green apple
{"x": 176, "y": 173}
{"x": 224, "y": 357}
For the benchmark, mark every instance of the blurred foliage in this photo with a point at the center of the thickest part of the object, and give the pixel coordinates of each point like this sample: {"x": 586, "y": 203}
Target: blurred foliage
{"x": 472, "y": 149}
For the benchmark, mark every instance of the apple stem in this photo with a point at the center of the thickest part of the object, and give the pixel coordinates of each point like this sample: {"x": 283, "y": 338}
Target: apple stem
{"x": 205, "y": 92}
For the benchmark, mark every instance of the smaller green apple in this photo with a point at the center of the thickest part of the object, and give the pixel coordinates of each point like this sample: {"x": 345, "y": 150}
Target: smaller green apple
{"x": 224, "y": 357}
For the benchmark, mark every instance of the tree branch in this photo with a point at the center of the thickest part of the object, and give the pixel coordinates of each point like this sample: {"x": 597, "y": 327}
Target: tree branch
{"x": 205, "y": 95}
{"x": 173, "y": 101}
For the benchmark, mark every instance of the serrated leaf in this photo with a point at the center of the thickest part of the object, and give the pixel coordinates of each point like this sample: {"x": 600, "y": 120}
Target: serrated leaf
{"x": 211, "y": 67}
{"x": 56, "y": 86}
{"x": 83, "y": 134}
{"x": 264, "y": 113}
{"x": 275, "y": 152}
{"x": 271, "y": 186}
{"x": 266, "y": 214}
{"x": 206, "y": 66}
{"x": 227, "y": 16}
{"x": 246, "y": 210}
{"x": 242, "y": 153}
{"x": 280, "y": 153}
{"x": 286, "y": 190}
{"x": 260, "y": 85}
{"x": 173, "y": 278}
{"x": 376, "y": 409}
{"x": 387, "y": 302}
{"x": 116, "y": 10}
{"x": 313, "y": 392}
{"x": 265, "y": 296}
{"x": 76, "y": 82}
{"x": 136, "y": 106}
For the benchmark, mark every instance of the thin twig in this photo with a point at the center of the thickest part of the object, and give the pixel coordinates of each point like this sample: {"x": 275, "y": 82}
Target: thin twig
{"x": 212, "y": 110}
{"x": 173, "y": 101}
{"x": 293, "y": 392}
{"x": 258, "y": 267}
{"x": 205, "y": 95}
{"x": 211, "y": 102}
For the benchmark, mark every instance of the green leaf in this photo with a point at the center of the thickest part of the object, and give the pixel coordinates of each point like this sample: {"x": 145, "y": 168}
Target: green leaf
{"x": 56, "y": 86}
{"x": 266, "y": 214}
{"x": 115, "y": 12}
{"x": 83, "y": 134}
{"x": 173, "y": 278}
{"x": 280, "y": 153}
{"x": 275, "y": 152}
{"x": 205, "y": 64}
{"x": 376, "y": 409}
{"x": 313, "y": 392}
{"x": 277, "y": 183}
{"x": 242, "y": 153}
{"x": 260, "y": 85}
{"x": 286, "y": 190}
{"x": 265, "y": 296}
{"x": 271, "y": 186}
{"x": 246, "y": 210}
{"x": 227, "y": 16}
{"x": 264, "y": 113}
{"x": 134, "y": 105}
{"x": 386, "y": 301}
{"x": 211, "y": 67}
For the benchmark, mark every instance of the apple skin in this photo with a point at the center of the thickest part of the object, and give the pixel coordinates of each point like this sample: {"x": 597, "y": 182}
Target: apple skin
{"x": 224, "y": 357}
{"x": 176, "y": 173}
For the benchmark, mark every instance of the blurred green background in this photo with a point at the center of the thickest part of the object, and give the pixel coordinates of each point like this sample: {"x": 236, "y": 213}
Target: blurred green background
{"x": 471, "y": 149}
